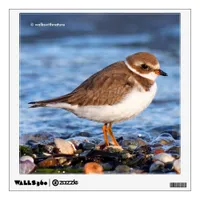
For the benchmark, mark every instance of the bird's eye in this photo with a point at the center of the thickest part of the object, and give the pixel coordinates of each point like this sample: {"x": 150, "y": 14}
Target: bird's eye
{"x": 144, "y": 66}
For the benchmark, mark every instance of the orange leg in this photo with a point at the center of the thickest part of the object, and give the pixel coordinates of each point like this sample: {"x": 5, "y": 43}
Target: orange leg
{"x": 112, "y": 135}
{"x": 105, "y": 130}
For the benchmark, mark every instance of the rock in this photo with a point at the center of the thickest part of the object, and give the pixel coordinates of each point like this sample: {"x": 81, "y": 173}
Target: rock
{"x": 25, "y": 150}
{"x": 107, "y": 166}
{"x": 119, "y": 140}
{"x": 48, "y": 148}
{"x": 34, "y": 156}
{"x": 65, "y": 147}
{"x": 137, "y": 171}
{"x": 164, "y": 139}
{"x": 84, "y": 153}
{"x": 26, "y": 167}
{"x": 132, "y": 147}
{"x": 174, "y": 133}
{"x": 61, "y": 160}
{"x": 49, "y": 162}
{"x": 141, "y": 142}
{"x": 31, "y": 143}
{"x": 177, "y": 166}
{"x": 169, "y": 166}
{"x": 113, "y": 149}
{"x": 134, "y": 143}
{"x": 24, "y": 158}
{"x": 144, "y": 135}
{"x": 173, "y": 150}
{"x": 163, "y": 157}
{"x": 35, "y": 138}
{"x": 81, "y": 139}
{"x": 46, "y": 154}
{"x": 86, "y": 146}
{"x": 126, "y": 155}
{"x": 157, "y": 166}
{"x": 134, "y": 161}
{"x": 143, "y": 150}
{"x": 176, "y": 156}
{"x": 122, "y": 169}
{"x": 79, "y": 151}
{"x": 157, "y": 151}
{"x": 93, "y": 168}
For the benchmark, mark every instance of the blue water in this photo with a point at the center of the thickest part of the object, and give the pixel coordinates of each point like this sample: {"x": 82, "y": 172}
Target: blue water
{"x": 54, "y": 61}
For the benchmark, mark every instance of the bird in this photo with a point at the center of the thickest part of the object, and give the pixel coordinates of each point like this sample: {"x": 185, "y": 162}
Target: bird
{"x": 114, "y": 94}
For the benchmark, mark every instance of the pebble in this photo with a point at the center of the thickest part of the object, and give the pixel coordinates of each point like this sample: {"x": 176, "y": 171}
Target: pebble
{"x": 175, "y": 134}
{"x": 143, "y": 150}
{"x": 141, "y": 142}
{"x": 126, "y": 155}
{"x": 132, "y": 147}
{"x": 93, "y": 168}
{"x": 87, "y": 146}
{"x": 134, "y": 143}
{"x": 137, "y": 171}
{"x": 46, "y": 154}
{"x": 173, "y": 150}
{"x": 169, "y": 166}
{"x": 177, "y": 166}
{"x": 24, "y": 158}
{"x": 35, "y": 138}
{"x": 107, "y": 166}
{"x": 122, "y": 169}
{"x": 81, "y": 139}
{"x": 163, "y": 157}
{"x": 85, "y": 153}
{"x": 61, "y": 160}
{"x": 144, "y": 135}
{"x": 65, "y": 147}
{"x": 113, "y": 149}
{"x": 164, "y": 139}
{"x": 157, "y": 151}
{"x": 31, "y": 143}
{"x": 49, "y": 162}
{"x": 26, "y": 167}
{"x": 49, "y": 148}
{"x": 157, "y": 166}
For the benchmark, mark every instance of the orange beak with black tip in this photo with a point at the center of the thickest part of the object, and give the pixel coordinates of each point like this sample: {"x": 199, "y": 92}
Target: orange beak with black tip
{"x": 160, "y": 72}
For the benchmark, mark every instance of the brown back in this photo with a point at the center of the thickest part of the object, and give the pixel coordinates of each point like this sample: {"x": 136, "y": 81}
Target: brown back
{"x": 106, "y": 87}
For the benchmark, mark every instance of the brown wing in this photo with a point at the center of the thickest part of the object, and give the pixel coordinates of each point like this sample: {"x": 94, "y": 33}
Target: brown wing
{"x": 106, "y": 87}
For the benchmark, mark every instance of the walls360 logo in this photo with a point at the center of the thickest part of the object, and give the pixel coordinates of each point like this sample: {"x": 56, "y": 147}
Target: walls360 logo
{"x": 30, "y": 182}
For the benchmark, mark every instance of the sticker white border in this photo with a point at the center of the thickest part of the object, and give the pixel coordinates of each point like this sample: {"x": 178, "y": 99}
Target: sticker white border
{"x": 101, "y": 182}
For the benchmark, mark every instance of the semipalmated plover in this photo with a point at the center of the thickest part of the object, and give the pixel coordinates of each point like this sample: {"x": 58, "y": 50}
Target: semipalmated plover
{"x": 118, "y": 92}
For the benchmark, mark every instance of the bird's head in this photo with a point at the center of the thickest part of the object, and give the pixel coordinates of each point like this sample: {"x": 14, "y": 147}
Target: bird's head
{"x": 145, "y": 64}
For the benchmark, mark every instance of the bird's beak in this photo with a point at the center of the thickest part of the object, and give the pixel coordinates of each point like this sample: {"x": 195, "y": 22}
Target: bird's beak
{"x": 160, "y": 72}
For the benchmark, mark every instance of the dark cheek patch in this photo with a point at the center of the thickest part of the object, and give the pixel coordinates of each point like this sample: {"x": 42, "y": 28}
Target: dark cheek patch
{"x": 142, "y": 71}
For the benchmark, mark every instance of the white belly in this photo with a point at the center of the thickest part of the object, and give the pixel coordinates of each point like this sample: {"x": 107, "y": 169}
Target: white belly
{"x": 134, "y": 103}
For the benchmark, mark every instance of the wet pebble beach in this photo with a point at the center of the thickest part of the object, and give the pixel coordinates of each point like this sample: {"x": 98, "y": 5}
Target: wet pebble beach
{"x": 41, "y": 153}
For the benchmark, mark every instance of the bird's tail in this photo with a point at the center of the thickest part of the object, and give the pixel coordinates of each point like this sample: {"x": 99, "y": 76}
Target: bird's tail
{"x": 55, "y": 102}
{"x": 37, "y": 104}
